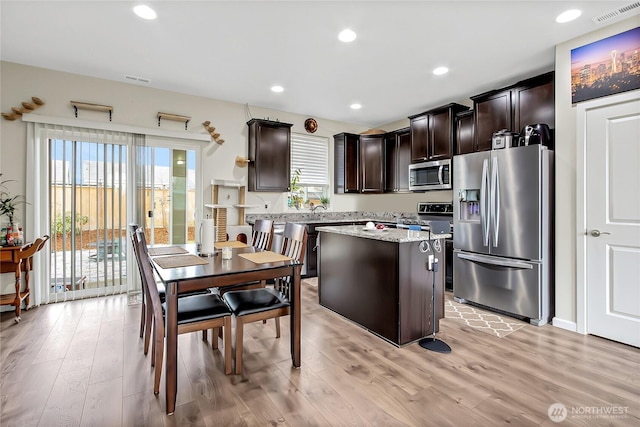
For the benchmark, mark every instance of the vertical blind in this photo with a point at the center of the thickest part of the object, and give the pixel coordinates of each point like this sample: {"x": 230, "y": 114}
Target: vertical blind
{"x": 310, "y": 154}
{"x": 79, "y": 198}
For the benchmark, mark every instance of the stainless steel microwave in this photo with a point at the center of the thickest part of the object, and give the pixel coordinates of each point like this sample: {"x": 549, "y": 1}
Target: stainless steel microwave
{"x": 434, "y": 175}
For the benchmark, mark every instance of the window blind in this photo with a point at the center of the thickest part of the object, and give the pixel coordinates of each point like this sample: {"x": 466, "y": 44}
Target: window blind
{"x": 310, "y": 154}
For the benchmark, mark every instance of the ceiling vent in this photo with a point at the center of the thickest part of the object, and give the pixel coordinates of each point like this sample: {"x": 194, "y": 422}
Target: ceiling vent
{"x": 623, "y": 11}
{"x": 137, "y": 79}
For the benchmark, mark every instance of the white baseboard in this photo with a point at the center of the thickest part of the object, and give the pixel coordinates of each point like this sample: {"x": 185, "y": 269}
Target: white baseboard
{"x": 565, "y": 324}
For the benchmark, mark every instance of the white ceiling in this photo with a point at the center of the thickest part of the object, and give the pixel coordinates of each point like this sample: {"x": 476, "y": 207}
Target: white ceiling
{"x": 236, "y": 50}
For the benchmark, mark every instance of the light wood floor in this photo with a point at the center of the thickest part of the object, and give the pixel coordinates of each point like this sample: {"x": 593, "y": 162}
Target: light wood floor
{"x": 81, "y": 363}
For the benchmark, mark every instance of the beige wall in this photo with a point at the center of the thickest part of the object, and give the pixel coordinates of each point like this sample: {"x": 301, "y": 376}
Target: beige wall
{"x": 137, "y": 106}
{"x": 565, "y": 157}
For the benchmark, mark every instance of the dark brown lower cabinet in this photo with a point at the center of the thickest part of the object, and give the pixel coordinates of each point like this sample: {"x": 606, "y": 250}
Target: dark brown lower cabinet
{"x": 382, "y": 286}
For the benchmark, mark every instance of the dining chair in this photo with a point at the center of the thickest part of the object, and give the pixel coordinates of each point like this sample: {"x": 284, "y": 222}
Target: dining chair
{"x": 134, "y": 239}
{"x": 146, "y": 317}
{"x": 195, "y": 313}
{"x": 253, "y": 305}
{"x": 261, "y": 238}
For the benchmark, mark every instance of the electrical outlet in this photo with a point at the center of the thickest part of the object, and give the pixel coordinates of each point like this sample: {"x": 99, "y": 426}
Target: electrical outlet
{"x": 267, "y": 204}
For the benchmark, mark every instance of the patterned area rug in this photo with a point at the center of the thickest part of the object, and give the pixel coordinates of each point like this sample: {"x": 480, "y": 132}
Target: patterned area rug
{"x": 485, "y": 321}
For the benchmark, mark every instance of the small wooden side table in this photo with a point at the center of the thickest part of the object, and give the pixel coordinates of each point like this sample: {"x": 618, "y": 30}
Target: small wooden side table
{"x": 17, "y": 259}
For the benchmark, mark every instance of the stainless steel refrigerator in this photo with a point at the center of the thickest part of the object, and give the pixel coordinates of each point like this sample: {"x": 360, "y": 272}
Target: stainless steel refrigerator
{"x": 503, "y": 230}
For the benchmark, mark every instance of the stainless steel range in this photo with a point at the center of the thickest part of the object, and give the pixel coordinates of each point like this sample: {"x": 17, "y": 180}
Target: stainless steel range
{"x": 428, "y": 212}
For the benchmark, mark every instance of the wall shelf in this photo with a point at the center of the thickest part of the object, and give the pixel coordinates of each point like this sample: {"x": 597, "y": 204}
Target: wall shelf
{"x": 226, "y": 183}
{"x": 175, "y": 118}
{"x": 77, "y": 105}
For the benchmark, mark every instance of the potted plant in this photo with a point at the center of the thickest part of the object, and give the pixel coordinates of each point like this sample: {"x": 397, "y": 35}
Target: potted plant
{"x": 9, "y": 203}
{"x": 325, "y": 201}
{"x": 295, "y": 190}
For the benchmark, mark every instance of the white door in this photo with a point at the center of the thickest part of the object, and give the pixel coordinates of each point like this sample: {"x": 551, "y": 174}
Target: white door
{"x": 612, "y": 168}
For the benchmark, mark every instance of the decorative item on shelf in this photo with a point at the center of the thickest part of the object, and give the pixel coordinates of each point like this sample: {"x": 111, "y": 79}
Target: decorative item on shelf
{"x": 27, "y": 107}
{"x": 373, "y": 132}
{"x": 310, "y": 125}
{"x": 212, "y": 132}
{"x": 242, "y": 162}
{"x": 77, "y": 105}
{"x": 174, "y": 117}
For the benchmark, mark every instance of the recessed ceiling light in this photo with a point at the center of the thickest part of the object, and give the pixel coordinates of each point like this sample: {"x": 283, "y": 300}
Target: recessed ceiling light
{"x": 568, "y": 15}
{"x": 347, "y": 36}
{"x": 356, "y": 106}
{"x": 144, "y": 12}
{"x": 440, "y": 71}
{"x": 277, "y": 89}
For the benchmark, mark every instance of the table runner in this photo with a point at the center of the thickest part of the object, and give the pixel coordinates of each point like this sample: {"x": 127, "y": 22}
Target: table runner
{"x": 231, "y": 244}
{"x": 175, "y": 261}
{"x": 263, "y": 257}
{"x": 167, "y": 250}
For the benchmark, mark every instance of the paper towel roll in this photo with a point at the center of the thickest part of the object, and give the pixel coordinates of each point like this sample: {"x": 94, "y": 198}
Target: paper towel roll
{"x": 208, "y": 236}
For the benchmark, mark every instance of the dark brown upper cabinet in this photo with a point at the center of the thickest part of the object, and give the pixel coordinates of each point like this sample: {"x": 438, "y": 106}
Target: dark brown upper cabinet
{"x": 527, "y": 102}
{"x": 419, "y": 135}
{"x": 372, "y": 163}
{"x": 442, "y": 136}
{"x": 466, "y": 142}
{"x": 534, "y": 102}
{"x": 493, "y": 113}
{"x": 269, "y": 156}
{"x": 433, "y": 133}
{"x": 346, "y": 167}
{"x": 397, "y": 161}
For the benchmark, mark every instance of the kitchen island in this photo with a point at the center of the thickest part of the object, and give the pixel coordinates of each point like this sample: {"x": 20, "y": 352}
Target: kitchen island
{"x": 379, "y": 279}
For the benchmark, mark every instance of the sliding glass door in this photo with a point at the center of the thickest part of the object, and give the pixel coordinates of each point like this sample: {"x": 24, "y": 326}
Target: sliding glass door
{"x": 170, "y": 194}
{"x": 88, "y": 215}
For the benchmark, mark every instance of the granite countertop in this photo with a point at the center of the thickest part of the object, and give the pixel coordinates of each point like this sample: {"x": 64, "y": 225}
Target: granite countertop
{"x": 320, "y": 216}
{"x": 397, "y": 235}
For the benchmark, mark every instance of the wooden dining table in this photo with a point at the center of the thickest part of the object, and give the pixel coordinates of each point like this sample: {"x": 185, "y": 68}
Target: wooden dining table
{"x": 218, "y": 272}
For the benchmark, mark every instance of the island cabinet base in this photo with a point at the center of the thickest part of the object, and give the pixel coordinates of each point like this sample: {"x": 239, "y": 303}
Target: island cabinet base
{"x": 383, "y": 286}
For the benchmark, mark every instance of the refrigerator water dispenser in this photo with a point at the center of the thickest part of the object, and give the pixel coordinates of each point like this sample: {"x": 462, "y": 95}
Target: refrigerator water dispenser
{"x": 469, "y": 205}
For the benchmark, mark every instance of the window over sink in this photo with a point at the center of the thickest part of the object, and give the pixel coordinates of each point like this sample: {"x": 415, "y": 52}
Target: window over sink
{"x": 309, "y": 171}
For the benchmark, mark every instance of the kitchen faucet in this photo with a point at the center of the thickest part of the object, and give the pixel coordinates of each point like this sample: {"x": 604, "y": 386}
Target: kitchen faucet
{"x": 314, "y": 207}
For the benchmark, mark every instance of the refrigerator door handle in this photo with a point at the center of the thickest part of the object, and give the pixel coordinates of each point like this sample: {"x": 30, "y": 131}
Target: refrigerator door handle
{"x": 495, "y": 198}
{"x": 484, "y": 218}
{"x": 483, "y": 259}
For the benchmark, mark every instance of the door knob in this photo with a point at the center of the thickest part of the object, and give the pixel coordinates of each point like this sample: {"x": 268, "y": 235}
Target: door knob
{"x": 597, "y": 233}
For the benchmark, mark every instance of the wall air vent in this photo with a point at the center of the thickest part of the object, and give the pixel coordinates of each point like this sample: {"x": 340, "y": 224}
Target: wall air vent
{"x": 135, "y": 79}
{"x": 624, "y": 11}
